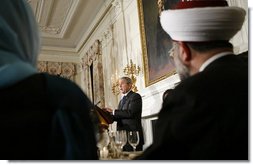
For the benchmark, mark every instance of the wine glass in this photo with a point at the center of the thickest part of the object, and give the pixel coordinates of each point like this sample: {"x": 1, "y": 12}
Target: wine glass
{"x": 124, "y": 138}
{"x": 133, "y": 139}
{"x": 103, "y": 140}
{"x": 120, "y": 140}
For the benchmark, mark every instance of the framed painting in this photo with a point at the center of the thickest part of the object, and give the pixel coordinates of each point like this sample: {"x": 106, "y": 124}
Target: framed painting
{"x": 156, "y": 43}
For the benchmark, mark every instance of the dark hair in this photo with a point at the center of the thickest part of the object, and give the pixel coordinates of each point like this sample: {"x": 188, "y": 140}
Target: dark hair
{"x": 127, "y": 79}
{"x": 206, "y": 46}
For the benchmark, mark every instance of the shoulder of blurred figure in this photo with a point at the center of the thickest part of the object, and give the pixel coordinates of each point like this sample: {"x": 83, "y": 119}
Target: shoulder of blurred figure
{"x": 244, "y": 56}
{"x": 166, "y": 93}
{"x": 63, "y": 87}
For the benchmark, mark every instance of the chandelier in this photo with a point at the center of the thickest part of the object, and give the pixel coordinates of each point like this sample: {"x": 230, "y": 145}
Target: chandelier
{"x": 132, "y": 71}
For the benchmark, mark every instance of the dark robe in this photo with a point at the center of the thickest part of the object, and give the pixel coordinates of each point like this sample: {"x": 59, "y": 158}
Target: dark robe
{"x": 206, "y": 116}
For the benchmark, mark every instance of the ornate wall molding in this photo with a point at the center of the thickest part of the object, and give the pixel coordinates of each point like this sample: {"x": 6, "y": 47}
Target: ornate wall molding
{"x": 93, "y": 73}
{"x": 107, "y": 36}
{"x": 63, "y": 69}
{"x": 117, "y": 5}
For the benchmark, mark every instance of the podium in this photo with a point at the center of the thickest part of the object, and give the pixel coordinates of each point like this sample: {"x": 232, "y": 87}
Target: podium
{"x": 104, "y": 117}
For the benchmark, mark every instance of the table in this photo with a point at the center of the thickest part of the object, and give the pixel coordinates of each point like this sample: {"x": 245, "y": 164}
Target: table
{"x": 123, "y": 156}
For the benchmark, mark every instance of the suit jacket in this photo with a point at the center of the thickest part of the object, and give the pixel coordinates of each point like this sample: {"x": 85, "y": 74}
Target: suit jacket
{"x": 206, "y": 116}
{"x": 45, "y": 117}
{"x": 128, "y": 116}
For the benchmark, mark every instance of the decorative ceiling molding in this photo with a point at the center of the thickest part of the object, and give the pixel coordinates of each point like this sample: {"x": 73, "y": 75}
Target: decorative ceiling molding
{"x": 66, "y": 25}
{"x": 54, "y": 16}
{"x": 60, "y": 49}
{"x": 50, "y": 31}
{"x": 58, "y": 31}
{"x": 37, "y": 6}
{"x": 47, "y": 9}
{"x": 59, "y": 57}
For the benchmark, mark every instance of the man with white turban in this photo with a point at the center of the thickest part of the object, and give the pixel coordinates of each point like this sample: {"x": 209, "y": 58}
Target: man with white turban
{"x": 42, "y": 116}
{"x": 206, "y": 116}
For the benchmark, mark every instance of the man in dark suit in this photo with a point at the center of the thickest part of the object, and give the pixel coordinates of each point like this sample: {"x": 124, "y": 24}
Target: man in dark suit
{"x": 206, "y": 116}
{"x": 128, "y": 113}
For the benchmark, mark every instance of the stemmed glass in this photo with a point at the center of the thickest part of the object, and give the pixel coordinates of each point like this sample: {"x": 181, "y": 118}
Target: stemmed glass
{"x": 103, "y": 140}
{"x": 133, "y": 139}
{"x": 120, "y": 139}
{"x": 124, "y": 138}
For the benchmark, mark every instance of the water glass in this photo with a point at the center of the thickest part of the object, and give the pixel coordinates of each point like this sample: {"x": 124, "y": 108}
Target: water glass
{"x": 133, "y": 139}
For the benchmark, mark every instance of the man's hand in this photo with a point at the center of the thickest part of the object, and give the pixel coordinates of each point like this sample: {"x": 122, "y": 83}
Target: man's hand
{"x": 108, "y": 110}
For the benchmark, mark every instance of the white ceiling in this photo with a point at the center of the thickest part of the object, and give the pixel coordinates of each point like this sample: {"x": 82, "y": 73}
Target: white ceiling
{"x": 64, "y": 23}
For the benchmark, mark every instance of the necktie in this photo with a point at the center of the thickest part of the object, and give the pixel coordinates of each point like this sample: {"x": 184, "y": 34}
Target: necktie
{"x": 122, "y": 102}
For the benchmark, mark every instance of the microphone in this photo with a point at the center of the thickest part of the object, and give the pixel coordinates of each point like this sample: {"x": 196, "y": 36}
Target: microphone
{"x": 98, "y": 103}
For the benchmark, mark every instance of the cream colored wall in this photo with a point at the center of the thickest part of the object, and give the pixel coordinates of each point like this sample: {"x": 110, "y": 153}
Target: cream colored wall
{"x": 119, "y": 33}
{"x": 240, "y": 40}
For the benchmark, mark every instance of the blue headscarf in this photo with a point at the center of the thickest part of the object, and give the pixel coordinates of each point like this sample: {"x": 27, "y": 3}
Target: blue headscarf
{"x": 19, "y": 42}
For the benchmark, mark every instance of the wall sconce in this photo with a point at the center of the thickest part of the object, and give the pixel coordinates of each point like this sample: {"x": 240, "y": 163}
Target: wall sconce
{"x": 115, "y": 88}
{"x": 115, "y": 84}
{"x": 132, "y": 71}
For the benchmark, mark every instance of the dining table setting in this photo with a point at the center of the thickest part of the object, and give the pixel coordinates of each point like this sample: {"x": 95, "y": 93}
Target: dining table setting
{"x": 110, "y": 145}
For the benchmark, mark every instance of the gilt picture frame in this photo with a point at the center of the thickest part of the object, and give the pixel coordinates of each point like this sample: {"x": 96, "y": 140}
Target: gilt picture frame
{"x": 155, "y": 42}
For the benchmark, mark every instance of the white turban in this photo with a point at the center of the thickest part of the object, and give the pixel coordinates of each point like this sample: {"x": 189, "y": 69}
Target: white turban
{"x": 202, "y": 23}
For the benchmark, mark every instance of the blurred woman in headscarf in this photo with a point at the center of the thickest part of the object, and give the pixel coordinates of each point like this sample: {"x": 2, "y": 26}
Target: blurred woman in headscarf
{"x": 43, "y": 117}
